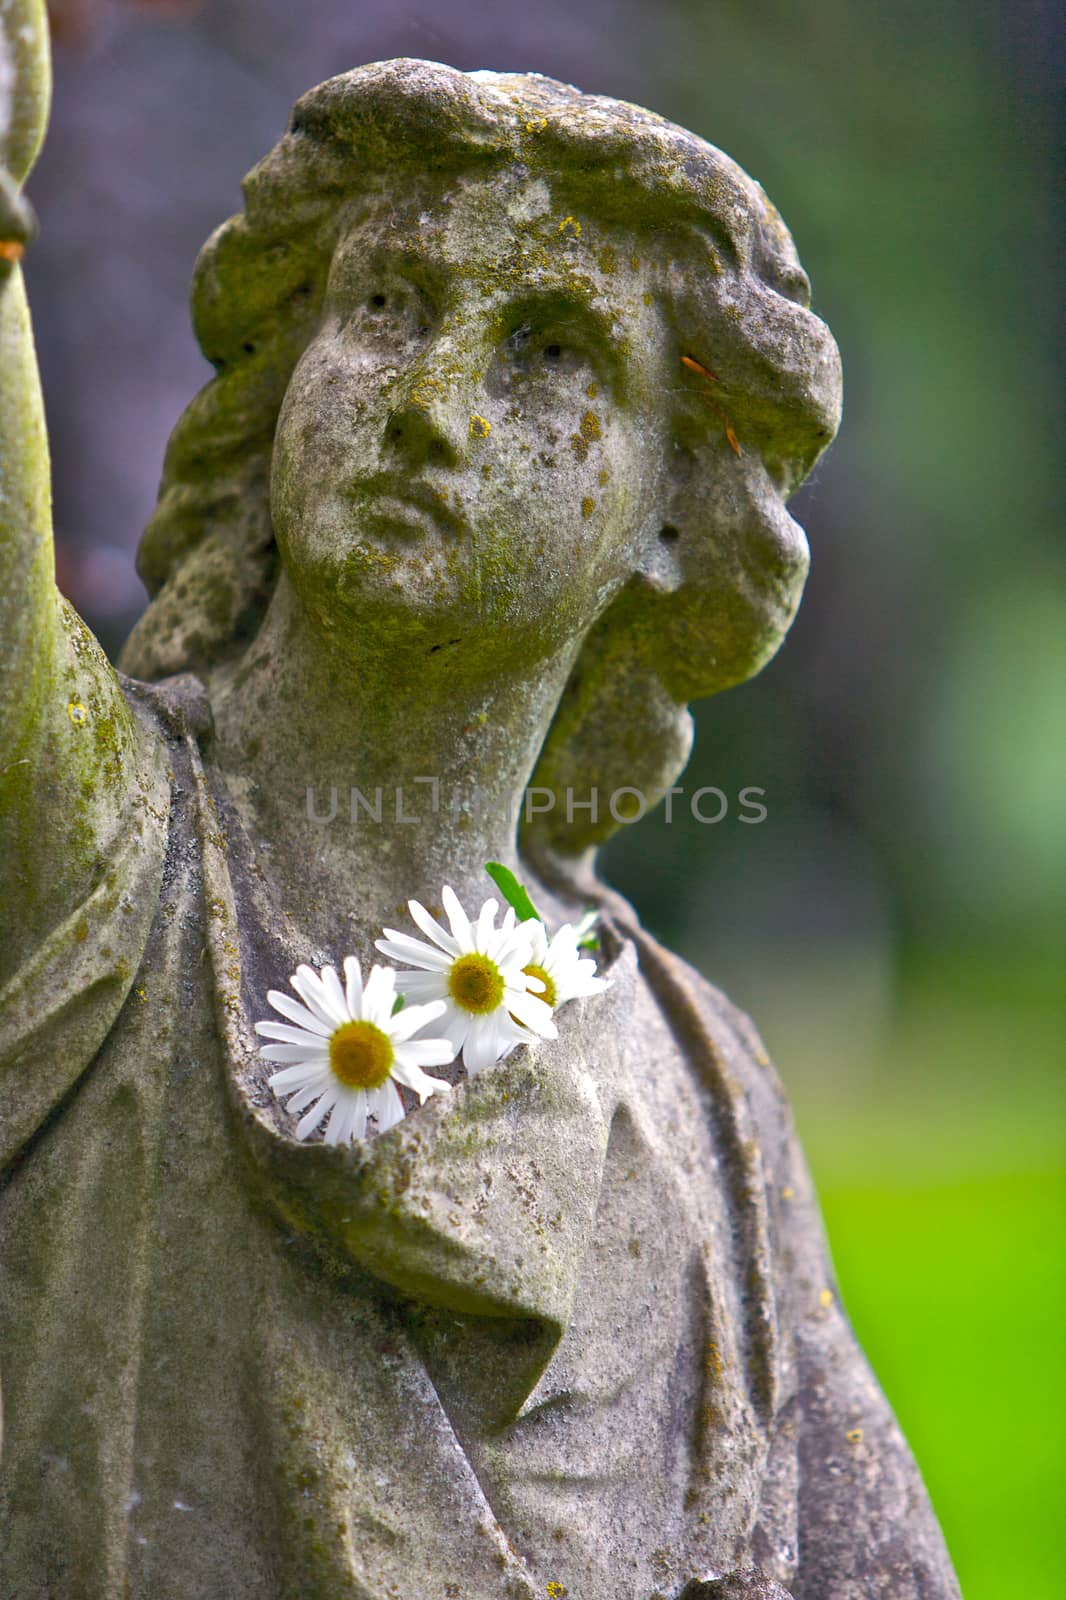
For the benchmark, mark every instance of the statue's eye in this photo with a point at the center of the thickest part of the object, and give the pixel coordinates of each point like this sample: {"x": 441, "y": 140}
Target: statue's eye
{"x": 378, "y": 302}
{"x": 553, "y": 352}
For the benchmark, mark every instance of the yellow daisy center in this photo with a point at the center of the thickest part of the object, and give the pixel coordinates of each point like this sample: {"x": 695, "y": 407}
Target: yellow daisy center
{"x": 475, "y": 983}
{"x": 360, "y": 1055}
{"x": 549, "y": 991}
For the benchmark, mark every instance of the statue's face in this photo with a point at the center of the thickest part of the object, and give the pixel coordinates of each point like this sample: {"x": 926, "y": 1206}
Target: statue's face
{"x": 475, "y": 442}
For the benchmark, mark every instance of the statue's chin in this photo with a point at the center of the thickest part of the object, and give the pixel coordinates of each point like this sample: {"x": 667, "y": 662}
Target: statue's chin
{"x": 399, "y": 589}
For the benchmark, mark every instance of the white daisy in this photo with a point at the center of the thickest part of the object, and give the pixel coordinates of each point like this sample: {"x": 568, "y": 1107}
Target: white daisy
{"x": 477, "y": 971}
{"x": 346, "y": 1051}
{"x": 558, "y": 967}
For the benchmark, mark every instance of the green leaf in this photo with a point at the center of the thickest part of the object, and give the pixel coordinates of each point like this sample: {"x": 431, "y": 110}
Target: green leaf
{"x": 398, "y": 1004}
{"x": 513, "y": 892}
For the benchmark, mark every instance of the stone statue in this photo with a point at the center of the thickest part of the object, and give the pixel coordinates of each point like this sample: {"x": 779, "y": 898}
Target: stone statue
{"x": 512, "y": 384}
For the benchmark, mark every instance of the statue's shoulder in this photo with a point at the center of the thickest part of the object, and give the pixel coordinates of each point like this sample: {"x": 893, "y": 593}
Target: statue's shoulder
{"x": 178, "y": 707}
{"x": 720, "y": 1044}
{"x": 701, "y": 1015}
{"x": 63, "y": 999}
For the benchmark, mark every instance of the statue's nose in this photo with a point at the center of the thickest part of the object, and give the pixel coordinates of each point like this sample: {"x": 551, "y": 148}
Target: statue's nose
{"x": 430, "y": 418}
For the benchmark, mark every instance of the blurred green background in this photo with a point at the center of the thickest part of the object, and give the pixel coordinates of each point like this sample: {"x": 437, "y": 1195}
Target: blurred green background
{"x": 896, "y": 925}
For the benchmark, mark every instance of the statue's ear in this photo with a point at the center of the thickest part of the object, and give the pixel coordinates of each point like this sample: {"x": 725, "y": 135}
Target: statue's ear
{"x": 661, "y": 564}
{"x": 726, "y": 572}
{"x": 668, "y": 540}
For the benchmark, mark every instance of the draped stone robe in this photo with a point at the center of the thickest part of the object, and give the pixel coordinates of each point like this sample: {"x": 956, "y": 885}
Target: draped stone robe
{"x": 570, "y": 1329}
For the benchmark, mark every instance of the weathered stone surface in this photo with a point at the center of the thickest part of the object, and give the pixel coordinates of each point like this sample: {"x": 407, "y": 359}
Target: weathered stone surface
{"x": 747, "y": 1585}
{"x": 512, "y": 384}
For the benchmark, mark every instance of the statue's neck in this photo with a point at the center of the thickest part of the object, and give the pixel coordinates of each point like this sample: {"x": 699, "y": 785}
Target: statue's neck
{"x": 365, "y": 779}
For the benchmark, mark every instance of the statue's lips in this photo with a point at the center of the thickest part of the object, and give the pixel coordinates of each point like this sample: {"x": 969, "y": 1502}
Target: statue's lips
{"x": 404, "y": 503}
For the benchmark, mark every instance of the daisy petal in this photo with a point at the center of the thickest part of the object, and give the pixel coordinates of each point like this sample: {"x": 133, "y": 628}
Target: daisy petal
{"x": 422, "y": 1084}
{"x": 423, "y": 1053}
{"x": 295, "y": 1052}
{"x": 359, "y": 1118}
{"x": 339, "y": 1128}
{"x": 292, "y": 1077}
{"x": 411, "y": 1018}
{"x": 479, "y": 1047}
{"x": 310, "y": 1122}
{"x": 387, "y": 1106}
{"x": 452, "y": 1026}
{"x": 463, "y": 932}
{"x": 353, "y": 985}
{"x": 332, "y": 985}
{"x": 291, "y": 1035}
{"x": 299, "y": 1014}
{"x": 310, "y": 987}
{"x": 304, "y": 1096}
{"x": 486, "y": 926}
{"x": 413, "y": 952}
{"x": 379, "y": 996}
{"x": 433, "y": 930}
{"x": 533, "y": 1012}
{"x": 516, "y": 949}
{"x": 423, "y": 987}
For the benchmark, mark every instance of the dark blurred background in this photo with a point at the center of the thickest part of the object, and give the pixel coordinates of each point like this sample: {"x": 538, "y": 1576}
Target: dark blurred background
{"x": 896, "y": 923}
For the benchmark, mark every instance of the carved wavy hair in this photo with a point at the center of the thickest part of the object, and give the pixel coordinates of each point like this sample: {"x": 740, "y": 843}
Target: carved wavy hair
{"x": 715, "y": 607}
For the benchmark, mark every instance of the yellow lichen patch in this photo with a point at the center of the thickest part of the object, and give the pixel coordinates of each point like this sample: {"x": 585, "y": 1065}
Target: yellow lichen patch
{"x": 486, "y": 470}
{"x": 588, "y": 506}
{"x": 480, "y": 427}
{"x": 557, "y": 1590}
{"x": 579, "y": 446}
{"x": 604, "y": 477}
{"x": 593, "y": 390}
{"x": 854, "y": 1436}
{"x": 424, "y": 393}
{"x": 712, "y": 1359}
{"x": 825, "y": 1299}
{"x": 590, "y": 426}
{"x": 634, "y": 263}
{"x": 788, "y": 1193}
{"x": 78, "y": 712}
{"x": 360, "y": 1055}
{"x": 649, "y": 299}
{"x": 81, "y": 932}
{"x": 536, "y": 125}
{"x": 609, "y": 261}
{"x": 570, "y": 228}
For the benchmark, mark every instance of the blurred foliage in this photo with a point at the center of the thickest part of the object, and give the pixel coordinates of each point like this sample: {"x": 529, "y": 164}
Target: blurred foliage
{"x": 896, "y": 924}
